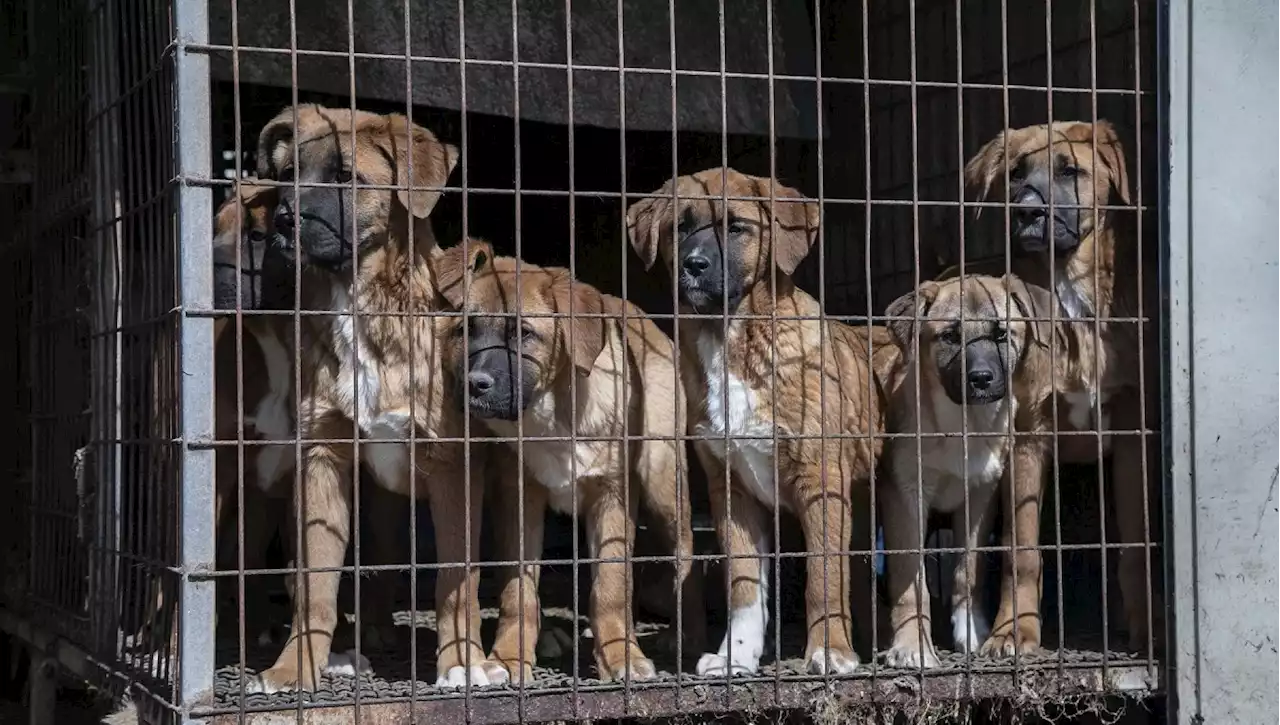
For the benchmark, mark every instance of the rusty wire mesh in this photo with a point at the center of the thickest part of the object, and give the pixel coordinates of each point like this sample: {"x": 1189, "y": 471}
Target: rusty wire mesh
{"x": 564, "y": 116}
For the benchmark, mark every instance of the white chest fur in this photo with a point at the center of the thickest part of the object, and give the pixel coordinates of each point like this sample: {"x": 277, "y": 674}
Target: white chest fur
{"x": 732, "y": 408}
{"x": 950, "y": 463}
{"x": 557, "y": 465}
{"x": 359, "y": 391}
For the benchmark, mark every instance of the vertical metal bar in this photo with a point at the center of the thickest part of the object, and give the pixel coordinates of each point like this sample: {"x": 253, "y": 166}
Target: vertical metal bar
{"x": 1142, "y": 312}
{"x": 773, "y": 325}
{"x": 1053, "y": 355}
{"x": 353, "y": 540}
{"x": 725, "y": 314}
{"x": 195, "y": 229}
{"x": 921, "y": 511}
{"x": 1097, "y": 342}
{"x": 104, "y": 154}
{"x": 1173, "y": 194}
{"x": 968, "y": 557}
{"x": 238, "y": 331}
{"x": 413, "y": 399}
{"x": 866, "y": 260}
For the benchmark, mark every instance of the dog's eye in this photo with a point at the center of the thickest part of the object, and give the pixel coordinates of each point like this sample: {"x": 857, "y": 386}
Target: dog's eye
{"x": 1070, "y": 171}
{"x": 737, "y": 227}
{"x": 343, "y": 176}
{"x": 950, "y": 336}
{"x": 528, "y": 333}
{"x": 1000, "y": 334}
{"x": 285, "y": 174}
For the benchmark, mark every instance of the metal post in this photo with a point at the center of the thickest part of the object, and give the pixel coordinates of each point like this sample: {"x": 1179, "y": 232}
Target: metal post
{"x": 1220, "y": 266}
{"x": 43, "y": 684}
{"x": 195, "y": 230}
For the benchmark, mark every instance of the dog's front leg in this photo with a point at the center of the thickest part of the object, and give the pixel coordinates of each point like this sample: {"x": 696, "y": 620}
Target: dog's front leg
{"x": 969, "y": 625}
{"x": 520, "y": 615}
{"x": 827, "y": 522}
{"x": 662, "y": 468}
{"x": 459, "y": 657}
{"x": 324, "y": 502}
{"x": 611, "y": 531}
{"x": 1017, "y": 626}
{"x": 1130, "y": 495}
{"x": 908, "y": 589}
{"x": 740, "y": 526}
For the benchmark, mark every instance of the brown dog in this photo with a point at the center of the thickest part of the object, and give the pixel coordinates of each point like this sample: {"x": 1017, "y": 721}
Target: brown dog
{"x": 550, "y": 377}
{"x": 979, "y": 377}
{"x": 366, "y": 251}
{"x": 824, "y": 385}
{"x": 1066, "y": 256}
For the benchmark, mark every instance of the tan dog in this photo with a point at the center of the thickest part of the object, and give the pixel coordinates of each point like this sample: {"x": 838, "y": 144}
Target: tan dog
{"x": 977, "y": 377}
{"x": 598, "y": 380}
{"x": 1082, "y": 245}
{"x": 824, "y": 384}
{"x": 367, "y": 251}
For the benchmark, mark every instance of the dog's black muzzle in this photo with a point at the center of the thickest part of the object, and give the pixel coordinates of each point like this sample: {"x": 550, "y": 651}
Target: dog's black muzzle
{"x": 700, "y": 277}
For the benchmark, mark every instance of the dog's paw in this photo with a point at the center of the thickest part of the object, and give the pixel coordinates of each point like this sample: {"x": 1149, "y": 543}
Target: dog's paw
{"x": 347, "y": 664}
{"x": 1007, "y": 641}
{"x": 502, "y": 671}
{"x": 713, "y": 664}
{"x": 459, "y": 676}
{"x": 824, "y": 661}
{"x": 282, "y": 678}
{"x": 906, "y": 656}
{"x": 638, "y": 670}
{"x": 969, "y": 630}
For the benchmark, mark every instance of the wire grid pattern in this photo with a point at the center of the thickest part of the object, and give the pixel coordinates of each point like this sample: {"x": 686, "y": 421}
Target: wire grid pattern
{"x": 906, "y": 89}
{"x": 93, "y": 313}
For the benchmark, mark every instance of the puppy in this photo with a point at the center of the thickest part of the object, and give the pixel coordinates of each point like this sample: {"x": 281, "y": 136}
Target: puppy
{"x": 367, "y": 251}
{"x": 1104, "y": 392}
{"x": 526, "y": 376}
{"x": 749, "y": 383}
{"x": 974, "y": 375}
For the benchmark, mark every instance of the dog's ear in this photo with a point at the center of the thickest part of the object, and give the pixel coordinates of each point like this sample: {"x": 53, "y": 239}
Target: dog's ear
{"x": 586, "y": 341}
{"x": 915, "y": 303}
{"x": 794, "y": 226}
{"x": 1032, "y": 305}
{"x": 419, "y": 153}
{"x": 453, "y": 266}
{"x": 985, "y": 167}
{"x": 647, "y": 220}
{"x": 1111, "y": 153}
{"x": 278, "y": 131}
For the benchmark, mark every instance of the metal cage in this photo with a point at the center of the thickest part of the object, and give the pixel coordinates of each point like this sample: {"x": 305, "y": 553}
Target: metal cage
{"x": 130, "y": 548}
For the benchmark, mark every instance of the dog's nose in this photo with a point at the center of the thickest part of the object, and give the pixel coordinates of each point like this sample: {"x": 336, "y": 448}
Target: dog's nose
{"x": 980, "y": 379}
{"x": 1030, "y": 204}
{"x": 479, "y": 383}
{"x": 696, "y": 264}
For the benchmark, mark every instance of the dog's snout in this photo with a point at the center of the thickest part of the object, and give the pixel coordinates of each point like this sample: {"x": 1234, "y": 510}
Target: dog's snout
{"x": 479, "y": 383}
{"x": 981, "y": 379}
{"x": 1030, "y": 203}
{"x": 284, "y": 221}
{"x": 695, "y": 264}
